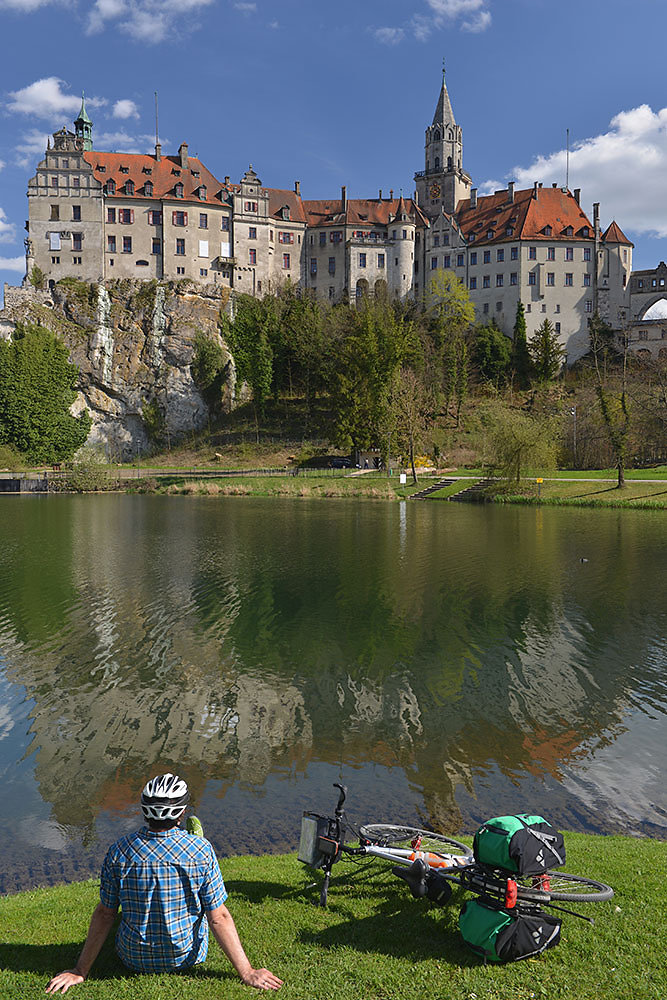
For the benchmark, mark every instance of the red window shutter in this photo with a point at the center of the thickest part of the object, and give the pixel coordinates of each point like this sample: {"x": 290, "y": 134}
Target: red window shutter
{"x": 173, "y": 218}
{"x": 185, "y": 218}
{"x": 131, "y": 215}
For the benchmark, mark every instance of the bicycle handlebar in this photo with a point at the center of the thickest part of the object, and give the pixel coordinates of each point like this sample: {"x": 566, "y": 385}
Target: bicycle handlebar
{"x": 341, "y": 798}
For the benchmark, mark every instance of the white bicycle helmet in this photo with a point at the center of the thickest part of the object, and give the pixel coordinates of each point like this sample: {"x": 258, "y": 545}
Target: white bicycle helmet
{"x": 164, "y": 797}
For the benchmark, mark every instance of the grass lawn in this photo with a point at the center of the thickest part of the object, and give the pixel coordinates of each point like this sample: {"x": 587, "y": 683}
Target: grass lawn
{"x": 373, "y": 942}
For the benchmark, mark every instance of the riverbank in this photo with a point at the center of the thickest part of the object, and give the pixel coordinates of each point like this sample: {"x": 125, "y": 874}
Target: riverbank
{"x": 373, "y": 941}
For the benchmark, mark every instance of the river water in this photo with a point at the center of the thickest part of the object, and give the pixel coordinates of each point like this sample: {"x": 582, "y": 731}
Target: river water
{"x": 448, "y": 662}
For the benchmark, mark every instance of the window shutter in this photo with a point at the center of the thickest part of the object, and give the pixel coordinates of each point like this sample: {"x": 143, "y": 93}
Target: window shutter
{"x": 185, "y": 218}
{"x": 203, "y": 248}
{"x": 131, "y": 215}
{"x": 225, "y": 250}
{"x": 173, "y": 218}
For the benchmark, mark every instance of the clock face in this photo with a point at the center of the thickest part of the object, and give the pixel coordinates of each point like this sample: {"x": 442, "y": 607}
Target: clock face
{"x": 435, "y": 190}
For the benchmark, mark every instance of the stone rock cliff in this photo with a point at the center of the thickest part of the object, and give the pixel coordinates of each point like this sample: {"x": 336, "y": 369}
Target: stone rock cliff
{"x": 133, "y": 343}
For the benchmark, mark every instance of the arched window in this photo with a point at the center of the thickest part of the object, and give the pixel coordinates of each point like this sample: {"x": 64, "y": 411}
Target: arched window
{"x": 437, "y": 163}
{"x": 129, "y": 187}
{"x": 436, "y": 136}
{"x": 449, "y": 163}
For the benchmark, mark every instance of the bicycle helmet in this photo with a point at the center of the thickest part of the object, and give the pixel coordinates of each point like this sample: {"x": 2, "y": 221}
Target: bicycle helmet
{"x": 164, "y": 797}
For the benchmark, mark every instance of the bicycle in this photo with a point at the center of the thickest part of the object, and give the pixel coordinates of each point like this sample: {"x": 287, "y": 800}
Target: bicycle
{"x": 322, "y": 844}
{"x": 428, "y": 861}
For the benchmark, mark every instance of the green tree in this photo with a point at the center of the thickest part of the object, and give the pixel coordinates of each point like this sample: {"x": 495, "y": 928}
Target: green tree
{"x": 451, "y": 314}
{"x": 514, "y": 440}
{"x": 546, "y": 352}
{"x": 249, "y": 337}
{"x": 521, "y": 359}
{"x": 611, "y": 392}
{"x": 208, "y": 368}
{"x": 38, "y": 386}
{"x": 492, "y": 353}
{"x": 410, "y": 406}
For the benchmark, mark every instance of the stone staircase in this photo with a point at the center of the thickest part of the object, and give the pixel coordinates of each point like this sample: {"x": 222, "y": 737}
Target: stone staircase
{"x": 431, "y": 489}
{"x": 474, "y": 493}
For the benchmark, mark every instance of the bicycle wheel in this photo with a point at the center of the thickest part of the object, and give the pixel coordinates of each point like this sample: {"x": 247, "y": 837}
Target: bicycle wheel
{"x": 387, "y": 835}
{"x": 537, "y": 888}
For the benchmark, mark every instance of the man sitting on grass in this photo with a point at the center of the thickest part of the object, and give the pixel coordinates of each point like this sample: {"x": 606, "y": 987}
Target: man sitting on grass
{"x": 166, "y": 881}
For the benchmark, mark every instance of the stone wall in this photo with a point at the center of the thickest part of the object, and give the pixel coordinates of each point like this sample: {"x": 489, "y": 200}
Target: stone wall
{"x": 133, "y": 343}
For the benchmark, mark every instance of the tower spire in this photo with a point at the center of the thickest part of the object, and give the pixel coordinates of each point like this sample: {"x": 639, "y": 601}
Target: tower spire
{"x": 83, "y": 126}
{"x": 444, "y": 115}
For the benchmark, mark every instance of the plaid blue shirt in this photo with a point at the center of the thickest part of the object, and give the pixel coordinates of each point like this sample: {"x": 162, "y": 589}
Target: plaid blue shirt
{"x": 164, "y": 882}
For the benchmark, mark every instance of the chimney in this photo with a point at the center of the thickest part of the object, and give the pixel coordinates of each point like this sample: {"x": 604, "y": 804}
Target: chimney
{"x": 391, "y": 194}
{"x": 343, "y": 197}
{"x": 596, "y": 218}
{"x": 158, "y": 151}
{"x": 577, "y": 195}
{"x": 535, "y": 189}
{"x": 227, "y": 180}
{"x": 380, "y": 194}
{"x": 473, "y": 197}
{"x": 183, "y": 155}
{"x": 510, "y": 191}
{"x": 297, "y": 188}
{"x": 555, "y": 185}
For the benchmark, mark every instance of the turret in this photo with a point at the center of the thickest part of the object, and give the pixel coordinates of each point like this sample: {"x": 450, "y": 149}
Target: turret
{"x": 84, "y": 127}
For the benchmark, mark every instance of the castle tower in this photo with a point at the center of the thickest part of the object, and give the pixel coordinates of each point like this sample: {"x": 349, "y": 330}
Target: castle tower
{"x": 443, "y": 182}
{"x": 84, "y": 127}
{"x": 401, "y": 227}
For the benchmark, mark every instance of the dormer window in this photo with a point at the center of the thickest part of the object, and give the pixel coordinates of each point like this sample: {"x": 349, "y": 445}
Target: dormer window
{"x": 101, "y": 169}
{"x": 195, "y": 173}
{"x": 569, "y": 231}
{"x": 509, "y": 231}
{"x": 547, "y": 230}
{"x": 110, "y": 187}
{"x": 124, "y": 170}
{"x": 285, "y": 213}
{"x": 472, "y": 238}
{"x": 148, "y": 189}
{"x": 202, "y": 192}
{"x": 178, "y": 191}
{"x": 175, "y": 172}
{"x": 585, "y": 231}
{"x": 146, "y": 170}
{"x": 129, "y": 187}
{"x": 489, "y": 234}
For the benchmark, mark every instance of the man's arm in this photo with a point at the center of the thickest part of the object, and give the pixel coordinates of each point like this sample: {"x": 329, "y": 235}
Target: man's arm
{"x": 101, "y": 923}
{"x": 224, "y": 930}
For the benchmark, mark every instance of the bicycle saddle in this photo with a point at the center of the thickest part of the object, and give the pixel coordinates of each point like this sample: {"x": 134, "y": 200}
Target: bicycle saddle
{"x": 423, "y": 882}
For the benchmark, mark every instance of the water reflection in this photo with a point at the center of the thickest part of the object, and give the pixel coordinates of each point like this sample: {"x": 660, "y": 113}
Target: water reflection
{"x": 469, "y": 651}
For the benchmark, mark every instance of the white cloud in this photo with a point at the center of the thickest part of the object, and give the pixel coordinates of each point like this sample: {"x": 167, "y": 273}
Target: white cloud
{"x": 31, "y": 145}
{"x": 125, "y": 109}
{"x": 148, "y": 21}
{"x": 624, "y": 169}
{"x": 13, "y": 264}
{"x": 23, "y": 6}
{"x": 245, "y": 8}
{"x": 46, "y": 99}
{"x": 7, "y": 229}
{"x": 471, "y": 15}
{"x": 274, "y": 25}
{"x": 2, "y": 164}
{"x": 389, "y": 36}
{"x": 123, "y": 142}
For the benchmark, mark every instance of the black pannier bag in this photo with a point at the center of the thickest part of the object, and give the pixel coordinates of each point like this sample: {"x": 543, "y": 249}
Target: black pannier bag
{"x": 521, "y": 844}
{"x": 500, "y": 935}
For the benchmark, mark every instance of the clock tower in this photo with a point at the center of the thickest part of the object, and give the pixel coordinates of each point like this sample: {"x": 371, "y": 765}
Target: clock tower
{"x": 443, "y": 182}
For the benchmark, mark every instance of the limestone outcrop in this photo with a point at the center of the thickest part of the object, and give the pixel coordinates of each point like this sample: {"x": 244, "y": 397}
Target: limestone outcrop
{"x": 134, "y": 344}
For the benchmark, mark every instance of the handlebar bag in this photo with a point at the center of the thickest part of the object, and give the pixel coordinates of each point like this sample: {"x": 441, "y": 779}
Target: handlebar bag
{"x": 500, "y": 935}
{"x": 521, "y": 844}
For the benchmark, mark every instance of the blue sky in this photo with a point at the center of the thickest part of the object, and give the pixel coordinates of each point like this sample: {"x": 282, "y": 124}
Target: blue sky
{"x": 340, "y": 93}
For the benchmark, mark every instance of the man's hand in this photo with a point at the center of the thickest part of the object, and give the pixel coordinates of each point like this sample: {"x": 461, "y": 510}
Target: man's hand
{"x": 62, "y": 982}
{"x": 262, "y": 979}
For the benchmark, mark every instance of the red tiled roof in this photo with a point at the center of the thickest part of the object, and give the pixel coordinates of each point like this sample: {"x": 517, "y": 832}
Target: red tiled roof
{"x": 527, "y": 217}
{"x": 163, "y": 174}
{"x": 360, "y": 211}
{"x": 279, "y": 199}
{"x": 614, "y": 234}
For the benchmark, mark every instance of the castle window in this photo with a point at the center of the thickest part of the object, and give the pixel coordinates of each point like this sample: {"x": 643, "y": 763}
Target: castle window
{"x": 250, "y": 206}
{"x": 76, "y": 182}
{"x": 55, "y": 260}
{"x": 124, "y": 169}
{"x": 514, "y": 278}
{"x": 178, "y": 191}
{"x": 460, "y": 260}
{"x": 180, "y": 248}
{"x": 585, "y": 231}
{"x": 127, "y": 244}
{"x": 155, "y": 246}
{"x": 252, "y": 256}
{"x": 148, "y": 189}
{"x": 514, "y": 253}
{"x": 54, "y": 241}
{"x": 111, "y": 244}
{"x": 532, "y": 278}
{"x": 447, "y": 260}
{"x": 203, "y": 220}
{"x": 336, "y": 237}
{"x": 569, "y": 279}
{"x": 587, "y": 281}
{"x": 500, "y": 255}
{"x": 76, "y": 213}
{"x": 154, "y": 218}
{"x": 436, "y": 136}
{"x": 101, "y": 169}
{"x": 203, "y": 248}
{"x": 110, "y": 187}
{"x": 285, "y": 213}
{"x": 141, "y": 263}
{"x": 569, "y": 253}
{"x": 332, "y": 265}
{"x": 126, "y": 216}
{"x": 509, "y": 231}
{"x": 203, "y": 194}
{"x": 434, "y": 263}
{"x": 195, "y": 173}
{"x": 487, "y": 256}
{"x": 77, "y": 241}
{"x": 557, "y": 328}
{"x": 473, "y": 257}
{"x": 532, "y": 253}
{"x": 485, "y": 308}
{"x": 437, "y": 163}
{"x": 486, "y": 281}
{"x": 111, "y": 215}
{"x": 489, "y": 234}
{"x": 203, "y": 271}
{"x": 179, "y": 218}
{"x": 436, "y": 240}
{"x": 286, "y": 262}
{"x": 224, "y": 224}
{"x": 569, "y": 231}
{"x": 473, "y": 283}
{"x": 252, "y": 232}
{"x": 589, "y": 306}
{"x": 286, "y": 237}
{"x": 380, "y": 260}
{"x": 547, "y": 230}
{"x": 313, "y": 266}
{"x": 551, "y": 278}
{"x": 146, "y": 170}
{"x": 54, "y": 182}
{"x": 499, "y": 281}
{"x": 362, "y": 260}
{"x": 129, "y": 187}
{"x": 323, "y": 239}
{"x": 551, "y": 253}
{"x": 449, "y": 163}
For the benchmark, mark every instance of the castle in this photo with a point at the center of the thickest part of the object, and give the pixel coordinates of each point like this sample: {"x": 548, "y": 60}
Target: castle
{"x": 97, "y": 216}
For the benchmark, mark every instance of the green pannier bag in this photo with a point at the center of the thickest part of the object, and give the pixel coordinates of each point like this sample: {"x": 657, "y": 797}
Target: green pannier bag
{"x": 500, "y": 935}
{"x": 522, "y": 844}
